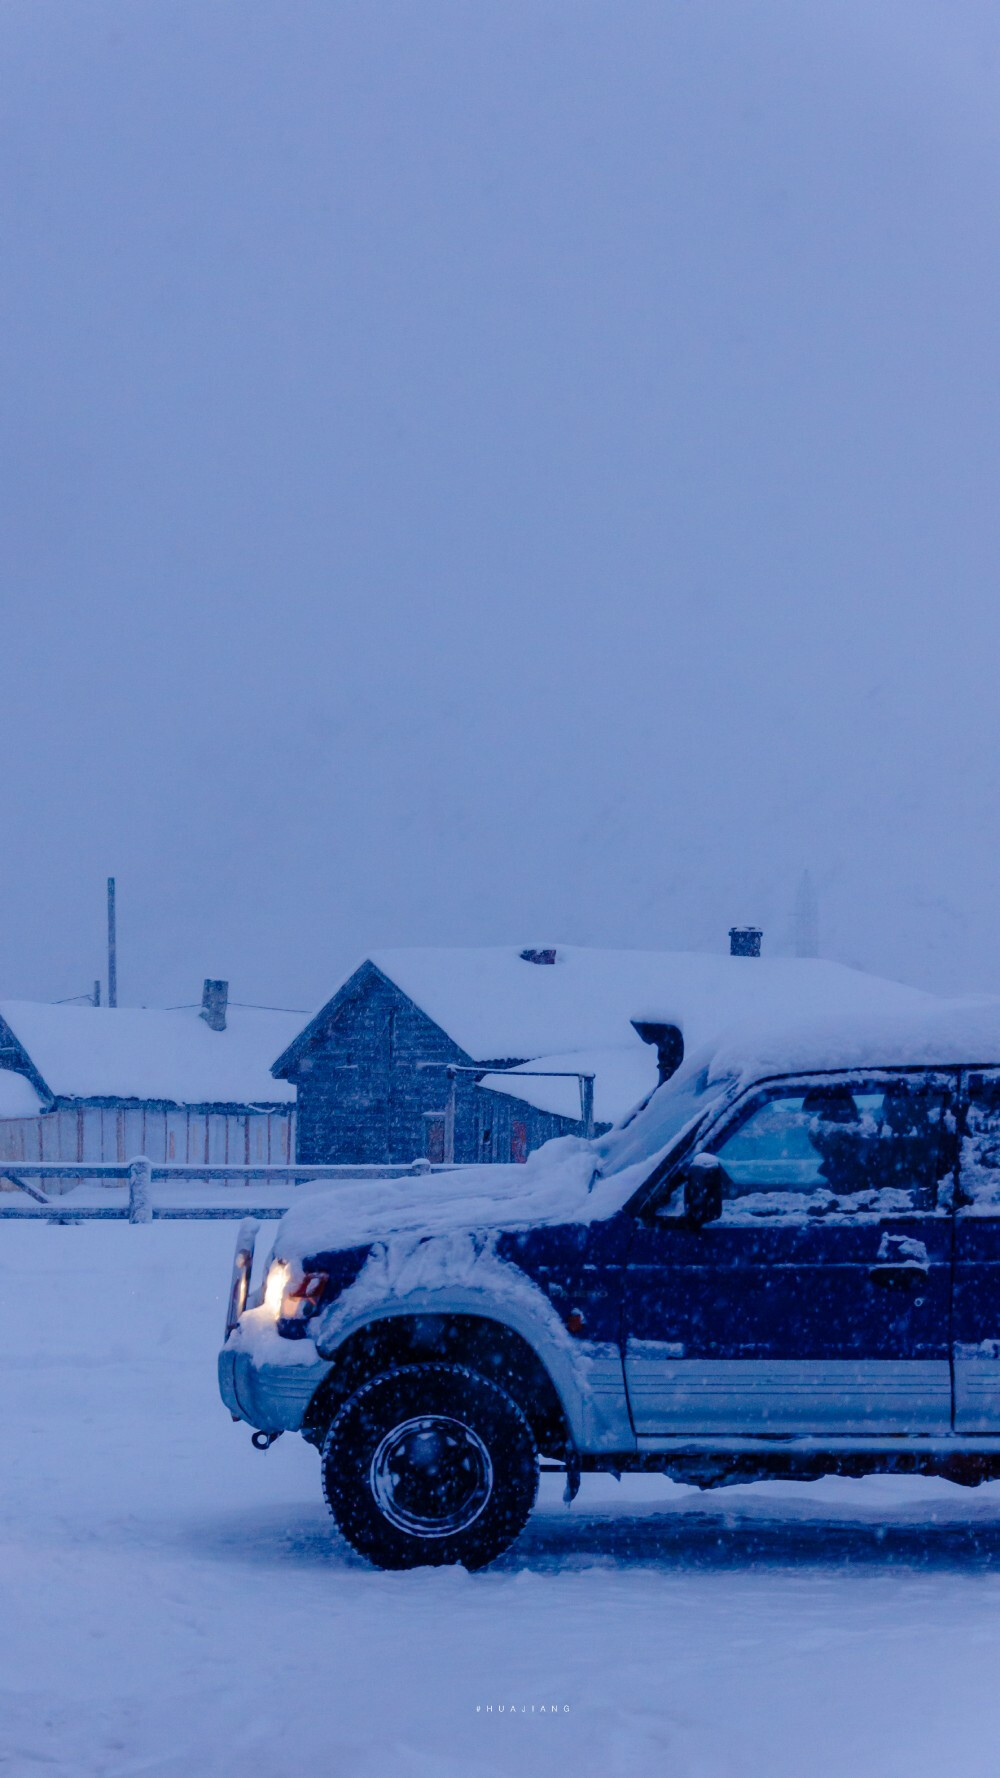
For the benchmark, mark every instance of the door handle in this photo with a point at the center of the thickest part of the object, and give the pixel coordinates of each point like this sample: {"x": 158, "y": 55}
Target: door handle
{"x": 898, "y": 1277}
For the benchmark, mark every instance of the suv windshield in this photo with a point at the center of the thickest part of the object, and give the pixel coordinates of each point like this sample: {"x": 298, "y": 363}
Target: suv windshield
{"x": 671, "y": 1109}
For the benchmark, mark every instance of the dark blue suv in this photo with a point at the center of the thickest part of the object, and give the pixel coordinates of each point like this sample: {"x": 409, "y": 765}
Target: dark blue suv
{"x": 785, "y": 1263}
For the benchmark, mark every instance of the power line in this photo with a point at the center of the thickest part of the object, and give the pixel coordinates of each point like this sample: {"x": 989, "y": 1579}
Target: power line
{"x": 244, "y": 1006}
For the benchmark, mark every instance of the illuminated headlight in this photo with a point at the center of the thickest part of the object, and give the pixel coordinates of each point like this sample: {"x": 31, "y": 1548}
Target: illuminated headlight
{"x": 293, "y": 1298}
{"x": 275, "y": 1285}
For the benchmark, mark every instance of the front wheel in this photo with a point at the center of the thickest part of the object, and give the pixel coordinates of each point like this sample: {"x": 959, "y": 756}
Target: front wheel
{"x": 430, "y": 1464}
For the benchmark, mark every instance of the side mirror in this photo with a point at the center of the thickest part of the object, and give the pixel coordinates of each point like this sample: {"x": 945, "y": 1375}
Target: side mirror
{"x": 703, "y": 1190}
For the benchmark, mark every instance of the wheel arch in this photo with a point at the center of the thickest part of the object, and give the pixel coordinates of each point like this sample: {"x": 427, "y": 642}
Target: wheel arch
{"x": 497, "y": 1351}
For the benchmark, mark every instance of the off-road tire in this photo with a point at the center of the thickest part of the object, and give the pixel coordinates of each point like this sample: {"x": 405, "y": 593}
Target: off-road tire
{"x": 490, "y": 1457}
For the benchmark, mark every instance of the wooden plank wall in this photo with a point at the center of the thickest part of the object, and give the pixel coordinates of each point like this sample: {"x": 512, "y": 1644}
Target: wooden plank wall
{"x": 116, "y": 1133}
{"x": 374, "y": 1087}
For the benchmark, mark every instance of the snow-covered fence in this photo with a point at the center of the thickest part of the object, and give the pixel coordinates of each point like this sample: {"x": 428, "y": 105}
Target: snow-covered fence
{"x": 140, "y": 1190}
{"x": 126, "y": 1188}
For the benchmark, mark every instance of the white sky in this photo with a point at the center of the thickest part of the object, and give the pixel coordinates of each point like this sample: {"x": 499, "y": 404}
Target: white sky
{"x": 496, "y": 472}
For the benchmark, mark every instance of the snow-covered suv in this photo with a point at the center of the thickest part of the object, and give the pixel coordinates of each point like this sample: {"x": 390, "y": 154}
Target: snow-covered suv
{"x": 785, "y": 1263}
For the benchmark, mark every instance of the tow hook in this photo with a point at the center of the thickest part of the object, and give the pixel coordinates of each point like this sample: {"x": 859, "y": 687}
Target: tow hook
{"x": 262, "y": 1441}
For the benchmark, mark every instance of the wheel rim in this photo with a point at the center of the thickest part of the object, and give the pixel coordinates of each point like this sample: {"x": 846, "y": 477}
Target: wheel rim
{"x": 431, "y": 1476}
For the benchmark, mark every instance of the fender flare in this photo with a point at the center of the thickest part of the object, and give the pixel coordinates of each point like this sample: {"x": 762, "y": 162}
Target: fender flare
{"x": 588, "y": 1377}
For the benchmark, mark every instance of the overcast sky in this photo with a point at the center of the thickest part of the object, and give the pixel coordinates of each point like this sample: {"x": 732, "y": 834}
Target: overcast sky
{"x": 496, "y": 472}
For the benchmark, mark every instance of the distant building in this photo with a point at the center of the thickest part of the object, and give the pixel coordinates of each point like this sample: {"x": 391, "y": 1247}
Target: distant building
{"x": 84, "y": 1083}
{"x": 371, "y": 1068}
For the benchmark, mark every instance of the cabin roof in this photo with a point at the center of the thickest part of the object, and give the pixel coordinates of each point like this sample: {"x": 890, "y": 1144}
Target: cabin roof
{"x": 496, "y": 1006}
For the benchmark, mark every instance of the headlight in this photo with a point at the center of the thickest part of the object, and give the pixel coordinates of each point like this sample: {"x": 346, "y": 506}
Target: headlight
{"x": 275, "y": 1285}
{"x": 293, "y": 1301}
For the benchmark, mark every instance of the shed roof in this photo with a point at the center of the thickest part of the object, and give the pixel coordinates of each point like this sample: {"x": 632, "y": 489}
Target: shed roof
{"x": 131, "y": 1052}
{"x": 623, "y": 1074}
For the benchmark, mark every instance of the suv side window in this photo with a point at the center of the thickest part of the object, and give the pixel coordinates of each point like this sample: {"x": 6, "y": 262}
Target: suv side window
{"x": 838, "y": 1145}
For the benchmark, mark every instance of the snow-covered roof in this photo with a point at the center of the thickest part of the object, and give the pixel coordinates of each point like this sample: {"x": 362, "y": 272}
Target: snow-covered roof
{"x": 578, "y": 1011}
{"x": 622, "y": 1076}
{"x": 496, "y": 1005}
{"x": 130, "y": 1052}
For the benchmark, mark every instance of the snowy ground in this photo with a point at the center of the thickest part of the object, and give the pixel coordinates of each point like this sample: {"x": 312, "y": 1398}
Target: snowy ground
{"x": 176, "y": 1605}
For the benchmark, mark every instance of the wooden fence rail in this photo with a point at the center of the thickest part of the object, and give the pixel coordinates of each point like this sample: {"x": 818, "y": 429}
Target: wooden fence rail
{"x": 139, "y": 1174}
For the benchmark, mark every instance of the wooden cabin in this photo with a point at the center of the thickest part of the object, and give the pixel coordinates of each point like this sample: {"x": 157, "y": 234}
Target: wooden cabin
{"x": 100, "y": 1083}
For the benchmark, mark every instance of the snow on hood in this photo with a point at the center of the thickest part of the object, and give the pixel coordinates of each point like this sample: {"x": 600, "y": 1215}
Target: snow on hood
{"x": 549, "y": 1187}
{"x": 567, "y": 1180}
{"x": 557, "y": 1184}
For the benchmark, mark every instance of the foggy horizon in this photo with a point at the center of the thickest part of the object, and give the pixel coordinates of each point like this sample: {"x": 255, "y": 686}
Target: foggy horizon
{"x": 512, "y": 475}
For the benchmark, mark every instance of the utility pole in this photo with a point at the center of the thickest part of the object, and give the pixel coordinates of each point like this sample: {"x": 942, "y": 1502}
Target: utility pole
{"x": 97, "y": 993}
{"x": 112, "y": 946}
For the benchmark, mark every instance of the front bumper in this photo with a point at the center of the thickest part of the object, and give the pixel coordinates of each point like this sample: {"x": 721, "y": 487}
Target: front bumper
{"x": 270, "y": 1397}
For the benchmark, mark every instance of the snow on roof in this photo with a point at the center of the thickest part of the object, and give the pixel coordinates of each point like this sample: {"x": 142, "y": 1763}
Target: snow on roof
{"x": 794, "y": 1022}
{"x": 495, "y": 1004}
{"x": 942, "y": 1033}
{"x": 577, "y": 1012}
{"x": 622, "y": 1076}
{"x": 131, "y": 1052}
{"x": 499, "y": 1007}
{"x": 17, "y": 1096}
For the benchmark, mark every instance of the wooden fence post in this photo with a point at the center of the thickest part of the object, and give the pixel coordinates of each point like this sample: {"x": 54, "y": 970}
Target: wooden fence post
{"x": 140, "y": 1189}
{"x": 587, "y": 1104}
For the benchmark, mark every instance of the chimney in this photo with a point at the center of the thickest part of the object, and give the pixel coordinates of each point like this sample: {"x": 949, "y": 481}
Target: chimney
{"x": 669, "y": 1043}
{"x": 744, "y": 941}
{"x": 214, "y": 1000}
{"x": 548, "y": 956}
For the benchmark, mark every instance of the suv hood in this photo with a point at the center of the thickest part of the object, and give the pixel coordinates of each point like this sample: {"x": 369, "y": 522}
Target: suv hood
{"x": 558, "y": 1183}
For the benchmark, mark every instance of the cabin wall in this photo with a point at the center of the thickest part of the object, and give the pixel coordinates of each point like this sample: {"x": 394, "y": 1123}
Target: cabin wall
{"x": 373, "y": 1088}
{"x": 508, "y": 1129}
{"x": 362, "y": 1094}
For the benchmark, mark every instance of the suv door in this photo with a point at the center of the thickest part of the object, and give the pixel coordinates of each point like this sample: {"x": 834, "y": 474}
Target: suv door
{"x": 819, "y": 1301}
{"x": 976, "y": 1321}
